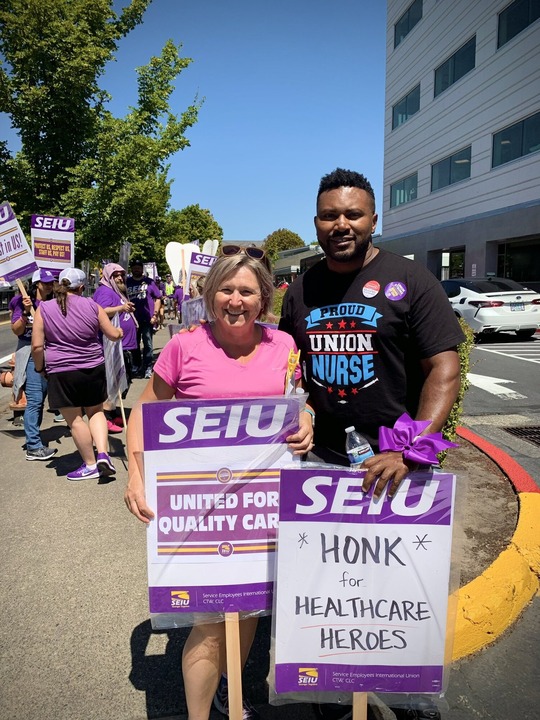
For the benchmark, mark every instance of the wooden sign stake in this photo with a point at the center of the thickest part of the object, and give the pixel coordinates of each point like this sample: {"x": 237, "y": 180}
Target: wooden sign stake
{"x": 234, "y": 664}
{"x": 360, "y": 704}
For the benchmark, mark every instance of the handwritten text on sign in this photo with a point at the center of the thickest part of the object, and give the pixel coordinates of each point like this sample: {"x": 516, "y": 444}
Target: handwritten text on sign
{"x": 16, "y": 259}
{"x": 362, "y": 583}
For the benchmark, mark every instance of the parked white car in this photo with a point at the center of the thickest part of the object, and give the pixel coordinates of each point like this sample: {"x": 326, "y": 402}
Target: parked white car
{"x": 493, "y": 304}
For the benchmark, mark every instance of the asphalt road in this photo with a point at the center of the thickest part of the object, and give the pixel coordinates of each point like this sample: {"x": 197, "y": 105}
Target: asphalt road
{"x": 76, "y": 642}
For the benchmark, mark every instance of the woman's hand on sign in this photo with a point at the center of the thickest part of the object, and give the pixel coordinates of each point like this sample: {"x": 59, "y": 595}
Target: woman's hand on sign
{"x": 134, "y": 496}
{"x": 302, "y": 441}
{"x": 135, "y": 499}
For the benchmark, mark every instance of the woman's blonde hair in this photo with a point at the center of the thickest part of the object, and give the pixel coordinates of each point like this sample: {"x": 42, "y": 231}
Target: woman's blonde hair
{"x": 226, "y": 266}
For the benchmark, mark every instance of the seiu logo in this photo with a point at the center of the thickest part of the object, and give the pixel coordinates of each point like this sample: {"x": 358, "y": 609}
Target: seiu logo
{"x": 53, "y": 223}
{"x": 4, "y": 212}
{"x": 179, "y": 598}
{"x": 308, "y": 676}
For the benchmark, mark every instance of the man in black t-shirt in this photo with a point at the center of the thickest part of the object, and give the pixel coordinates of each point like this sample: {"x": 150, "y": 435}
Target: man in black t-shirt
{"x": 376, "y": 332}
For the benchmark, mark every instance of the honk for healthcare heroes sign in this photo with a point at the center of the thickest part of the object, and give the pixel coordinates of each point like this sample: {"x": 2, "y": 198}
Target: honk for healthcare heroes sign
{"x": 362, "y": 583}
{"x": 212, "y": 470}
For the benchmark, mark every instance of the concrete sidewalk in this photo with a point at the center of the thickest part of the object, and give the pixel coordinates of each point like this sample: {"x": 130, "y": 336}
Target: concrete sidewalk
{"x": 77, "y": 643}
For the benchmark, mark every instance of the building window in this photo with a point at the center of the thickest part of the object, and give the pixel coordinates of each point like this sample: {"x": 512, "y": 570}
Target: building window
{"x": 451, "y": 170}
{"x": 455, "y": 67}
{"x": 406, "y": 107}
{"x": 515, "y": 141}
{"x": 403, "y": 191}
{"x": 407, "y": 21}
{"x": 515, "y": 18}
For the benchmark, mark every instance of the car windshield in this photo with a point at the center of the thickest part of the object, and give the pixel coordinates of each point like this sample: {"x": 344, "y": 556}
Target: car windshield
{"x": 495, "y": 285}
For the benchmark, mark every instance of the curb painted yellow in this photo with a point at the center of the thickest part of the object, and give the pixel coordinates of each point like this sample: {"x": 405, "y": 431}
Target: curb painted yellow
{"x": 490, "y": 603}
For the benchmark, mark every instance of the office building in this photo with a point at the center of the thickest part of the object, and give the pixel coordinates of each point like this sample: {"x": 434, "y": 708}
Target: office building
{"x": 462, "y": 137}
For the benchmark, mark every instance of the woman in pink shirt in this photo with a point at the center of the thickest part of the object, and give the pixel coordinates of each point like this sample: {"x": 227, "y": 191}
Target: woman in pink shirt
{"x": 231, "y": 356}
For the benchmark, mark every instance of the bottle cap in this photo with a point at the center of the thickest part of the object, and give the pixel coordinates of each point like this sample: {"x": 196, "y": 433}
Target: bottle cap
{"x": 350, "y": 429}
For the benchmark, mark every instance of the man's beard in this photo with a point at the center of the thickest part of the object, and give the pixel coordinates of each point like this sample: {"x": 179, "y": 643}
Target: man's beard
{"x": 121, "y": 286}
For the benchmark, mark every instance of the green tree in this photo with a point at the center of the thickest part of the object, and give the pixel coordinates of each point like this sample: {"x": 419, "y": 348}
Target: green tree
{"x": 279, "y": 240}
{"x": 122, "y": 191}
{"x": 76, "y": 158}
{"x": 192, "y": 223}
{"x": 54, "y": 52}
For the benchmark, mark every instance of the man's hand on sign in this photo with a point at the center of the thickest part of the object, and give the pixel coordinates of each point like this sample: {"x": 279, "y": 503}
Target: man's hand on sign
{"x": 383, "y": 469}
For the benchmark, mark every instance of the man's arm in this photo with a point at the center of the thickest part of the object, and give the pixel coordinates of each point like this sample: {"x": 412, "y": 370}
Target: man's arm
{"x": 439, "y": 392}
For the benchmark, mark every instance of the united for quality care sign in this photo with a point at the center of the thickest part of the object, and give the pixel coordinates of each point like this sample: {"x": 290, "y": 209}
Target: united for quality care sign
{"x": 362, "y": 584}
{"x": 212, "y": 472}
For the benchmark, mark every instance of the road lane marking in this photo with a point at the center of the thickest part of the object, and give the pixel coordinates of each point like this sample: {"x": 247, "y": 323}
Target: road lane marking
{"x": 493, "y": 385}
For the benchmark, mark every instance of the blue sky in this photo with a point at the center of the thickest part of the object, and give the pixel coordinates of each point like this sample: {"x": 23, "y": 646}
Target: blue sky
{"x": 292, "y": 89}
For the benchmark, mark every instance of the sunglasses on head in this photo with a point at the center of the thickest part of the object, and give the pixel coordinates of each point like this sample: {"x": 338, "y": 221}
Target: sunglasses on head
{"x": 252, "y": 252}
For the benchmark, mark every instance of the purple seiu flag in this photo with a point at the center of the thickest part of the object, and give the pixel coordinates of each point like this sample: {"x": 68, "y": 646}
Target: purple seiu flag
{"x": 362, "y": 583}
{"x": 16, "y": 258}
{"x": 212, "y": 475}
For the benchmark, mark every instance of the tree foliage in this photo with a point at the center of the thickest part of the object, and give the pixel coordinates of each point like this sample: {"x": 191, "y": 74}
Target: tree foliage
{"x": 192, "y": 223}
{"x": 279, "y": 240}
{"x": 77, "y": 158}
{"x": 122, "y": 190}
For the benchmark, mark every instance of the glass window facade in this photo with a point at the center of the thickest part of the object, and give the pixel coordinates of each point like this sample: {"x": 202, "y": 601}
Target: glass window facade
{"x": 406, "y": 107}
{"x": 458, "y": 65}
{"x": 404, "y": 191}
{"x": 522, "y": 138}
{"x": 407, "y": 21}
{"x": 515, "y": 18}
{"x": 451, "y": 170}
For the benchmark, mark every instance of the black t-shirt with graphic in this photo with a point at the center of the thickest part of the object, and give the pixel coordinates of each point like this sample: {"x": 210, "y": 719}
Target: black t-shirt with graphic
{"x": 362, "y": 336}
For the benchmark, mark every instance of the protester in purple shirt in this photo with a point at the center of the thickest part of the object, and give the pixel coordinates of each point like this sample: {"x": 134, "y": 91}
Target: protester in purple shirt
{"x": 112, "y": 296}
{"x": 25, "y": 375}
{"x": 178, "y": 298}
{"x": 146, "y": 297}
{"x": 65, "y": 345}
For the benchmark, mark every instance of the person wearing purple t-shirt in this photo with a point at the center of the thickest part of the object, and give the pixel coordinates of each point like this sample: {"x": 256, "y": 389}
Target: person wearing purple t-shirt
{"x": 178, "y": 297}
{"x": 66, "y": 346}
{"x": 112, "y": 296}
{"x": 25, "y": 376}
{"x": 146, "y": 297}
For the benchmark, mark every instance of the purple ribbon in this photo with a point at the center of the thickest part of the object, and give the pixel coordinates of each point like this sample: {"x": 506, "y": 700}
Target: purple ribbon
{"x": 405, "y": 437}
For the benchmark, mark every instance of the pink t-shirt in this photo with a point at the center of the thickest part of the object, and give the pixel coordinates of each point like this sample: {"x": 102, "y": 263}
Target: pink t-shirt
{"x": 198, "y": 368}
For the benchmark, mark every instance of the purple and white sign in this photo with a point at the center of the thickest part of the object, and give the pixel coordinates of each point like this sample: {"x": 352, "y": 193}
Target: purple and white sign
{"x": 212, "y": 471}
{"x": 16, "y": 259}
{"x": 362, "y": 583}
{"x": 200, "y": 263}
{"x": 53, "y": 242}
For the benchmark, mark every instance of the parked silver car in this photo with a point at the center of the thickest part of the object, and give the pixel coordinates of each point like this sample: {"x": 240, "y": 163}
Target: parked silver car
{"x": 493, "y": 304}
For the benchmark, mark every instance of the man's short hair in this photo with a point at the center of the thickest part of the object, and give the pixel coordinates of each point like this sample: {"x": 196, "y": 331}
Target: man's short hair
{"x": 345, "y": 178}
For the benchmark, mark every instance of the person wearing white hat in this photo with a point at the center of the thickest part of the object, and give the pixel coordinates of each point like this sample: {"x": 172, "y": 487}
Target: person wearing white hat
{"x": 25, "y": 376}
{"x": 65, "y": 345}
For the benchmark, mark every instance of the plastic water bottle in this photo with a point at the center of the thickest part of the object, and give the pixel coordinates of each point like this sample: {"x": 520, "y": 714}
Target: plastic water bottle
{"x": 357, "y": 447}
